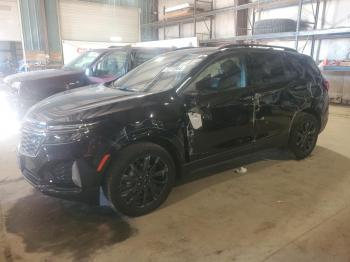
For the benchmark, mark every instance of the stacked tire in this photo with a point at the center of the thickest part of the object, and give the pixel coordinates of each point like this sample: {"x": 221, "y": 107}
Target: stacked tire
{"x": 268, "y": 26}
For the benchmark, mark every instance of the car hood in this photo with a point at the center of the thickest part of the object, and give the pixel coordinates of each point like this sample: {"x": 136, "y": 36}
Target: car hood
{"x": 48, "y": 74}
{"x": 83, "y": 104}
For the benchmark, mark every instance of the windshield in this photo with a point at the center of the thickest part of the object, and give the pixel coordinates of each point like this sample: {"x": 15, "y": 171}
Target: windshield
{"x": 161, "y": 73}
{"x": 83, "y": 61}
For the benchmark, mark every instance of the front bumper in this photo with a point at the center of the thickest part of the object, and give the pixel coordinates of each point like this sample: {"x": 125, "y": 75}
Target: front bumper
{"x": 65, "y": 171}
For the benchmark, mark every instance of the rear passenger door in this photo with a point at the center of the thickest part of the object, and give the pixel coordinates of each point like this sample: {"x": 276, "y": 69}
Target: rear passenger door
{"x": 273, "y": 110}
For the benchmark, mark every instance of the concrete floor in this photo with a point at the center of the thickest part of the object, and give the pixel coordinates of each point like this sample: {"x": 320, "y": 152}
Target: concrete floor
{"x": 281, "y": 210}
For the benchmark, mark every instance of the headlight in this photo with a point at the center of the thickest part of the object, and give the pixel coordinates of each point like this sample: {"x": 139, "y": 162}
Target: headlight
{"x": 64, "y": 138}
{"x": 63, "y": 134}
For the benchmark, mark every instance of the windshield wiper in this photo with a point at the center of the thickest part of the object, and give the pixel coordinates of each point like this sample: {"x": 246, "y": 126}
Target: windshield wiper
{"x": 126, "y": 89}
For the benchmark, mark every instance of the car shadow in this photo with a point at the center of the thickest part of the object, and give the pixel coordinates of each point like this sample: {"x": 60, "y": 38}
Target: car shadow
{"x": 271, "y": 154}
{"x": 61, "y": 227}
{"x": 208, "y": 176}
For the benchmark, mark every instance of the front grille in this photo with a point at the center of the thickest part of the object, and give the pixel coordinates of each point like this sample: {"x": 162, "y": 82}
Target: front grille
{"x": 30, "y": 143}
{"x": 31, "y": 177}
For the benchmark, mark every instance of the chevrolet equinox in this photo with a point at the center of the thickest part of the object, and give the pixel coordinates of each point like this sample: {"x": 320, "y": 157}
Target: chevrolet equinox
{"x": 189, "y": 107}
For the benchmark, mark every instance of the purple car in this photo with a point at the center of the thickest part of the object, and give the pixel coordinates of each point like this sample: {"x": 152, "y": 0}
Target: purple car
{"x": 92, "y": 67}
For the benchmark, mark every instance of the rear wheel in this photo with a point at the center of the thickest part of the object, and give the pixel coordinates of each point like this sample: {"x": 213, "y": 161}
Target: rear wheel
{"x": 140, "y": 179}
{"x": 304, "y": 134}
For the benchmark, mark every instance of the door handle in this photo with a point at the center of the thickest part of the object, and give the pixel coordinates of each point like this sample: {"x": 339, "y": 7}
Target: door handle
{"x": 254, "y": 99}
{"x": 247, "y": 99}
{"x": 299, "y": 88}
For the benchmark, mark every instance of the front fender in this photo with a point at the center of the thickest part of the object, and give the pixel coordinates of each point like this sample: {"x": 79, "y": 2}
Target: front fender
{"x": 172, "y": 139}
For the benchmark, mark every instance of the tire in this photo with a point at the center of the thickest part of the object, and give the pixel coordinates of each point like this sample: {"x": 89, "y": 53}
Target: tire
{"x": 268, "y": 26}
{"x": 303, "y": 135}
{"x": 140, "y": 179}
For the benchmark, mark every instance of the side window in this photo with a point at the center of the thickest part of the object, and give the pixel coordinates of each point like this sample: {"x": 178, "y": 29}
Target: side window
{"x": 301, "y": 67}
{"x": 293, "y": 68}
{"x": 311, "y": 68}
{"x": 265, "y": 69}
{"x": 111, "y": 65}
{"x": 226, "y": 73}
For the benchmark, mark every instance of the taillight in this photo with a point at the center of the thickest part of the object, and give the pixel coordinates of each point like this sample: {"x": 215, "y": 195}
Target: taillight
{"x": 326, "y": 85}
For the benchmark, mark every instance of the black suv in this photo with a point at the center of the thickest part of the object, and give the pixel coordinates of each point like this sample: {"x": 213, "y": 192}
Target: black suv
{"x": 94, "y": 66}
{"x": 188, "y": 107}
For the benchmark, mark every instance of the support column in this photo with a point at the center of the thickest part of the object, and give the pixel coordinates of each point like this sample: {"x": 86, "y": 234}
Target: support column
{"x": 149, "y": 14}
{"x": 40, "y": 32}
{"x": 53, "y": 32}
{"x": 242, "y": 19}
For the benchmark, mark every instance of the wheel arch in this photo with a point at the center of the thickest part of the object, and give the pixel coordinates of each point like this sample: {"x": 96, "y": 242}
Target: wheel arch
{"x": 170, "y": 148}
{"x": 308, "y": 110}
{"x": 164, "y": 142}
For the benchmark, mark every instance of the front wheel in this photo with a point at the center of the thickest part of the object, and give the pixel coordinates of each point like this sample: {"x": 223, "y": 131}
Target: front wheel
{"x": 303, "y": 135}
{"x": 140, "y": 179}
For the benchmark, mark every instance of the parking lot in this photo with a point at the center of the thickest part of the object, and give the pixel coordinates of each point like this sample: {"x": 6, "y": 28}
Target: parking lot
{"x": 280, "y": 210}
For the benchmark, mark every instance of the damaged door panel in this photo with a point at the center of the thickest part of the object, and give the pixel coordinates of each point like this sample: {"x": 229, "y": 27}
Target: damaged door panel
{"x": 273, "y": 103}
{"x": 220, "y": 112}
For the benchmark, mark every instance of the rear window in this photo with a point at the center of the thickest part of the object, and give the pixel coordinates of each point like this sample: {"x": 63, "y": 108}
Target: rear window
{"x": 313, "y": 65}
{"x": 293, "y": 67}
{"x": 264, "y": 69}
{"x": 301, "y": 66}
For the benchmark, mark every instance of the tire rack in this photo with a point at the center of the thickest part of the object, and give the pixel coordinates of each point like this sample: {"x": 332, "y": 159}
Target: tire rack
{"x": 316, "y": 34}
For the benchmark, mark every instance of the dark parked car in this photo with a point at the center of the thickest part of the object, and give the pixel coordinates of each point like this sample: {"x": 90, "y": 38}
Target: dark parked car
{"x": 186, "y": 108}
{"x": 95, "y": 66}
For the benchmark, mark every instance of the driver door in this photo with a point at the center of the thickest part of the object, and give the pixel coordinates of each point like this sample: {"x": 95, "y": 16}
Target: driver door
{"x": 220, "y": 109}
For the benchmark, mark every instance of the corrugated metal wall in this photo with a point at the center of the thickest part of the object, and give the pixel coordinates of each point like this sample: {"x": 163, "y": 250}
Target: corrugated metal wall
{"x": 149, "y": 9}
{"x": 53, "y": 30}
{"x": 97, "y": 22}
{"x": 41, "y": 32}
{"x": 149, "y": 14}
{"x": 33, "y": 24}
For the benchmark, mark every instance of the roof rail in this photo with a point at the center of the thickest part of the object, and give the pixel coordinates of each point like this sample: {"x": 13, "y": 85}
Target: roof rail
{"x": 119, "y": 46}
{"x": 184, "y": 47}
{"x": 259, "y": 46}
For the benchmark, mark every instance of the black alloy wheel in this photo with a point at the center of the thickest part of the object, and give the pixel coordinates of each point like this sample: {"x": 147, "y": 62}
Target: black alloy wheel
{"x": 304, "y": 135}
{"x": 143, "y": 181}
{"x": 140, "y": 179}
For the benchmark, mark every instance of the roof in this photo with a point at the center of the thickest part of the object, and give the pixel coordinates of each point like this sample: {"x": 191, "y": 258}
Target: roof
{"x": 205, "y": 50}
{"x": 101, "y": 50}
{"x": 197, "y": 50}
